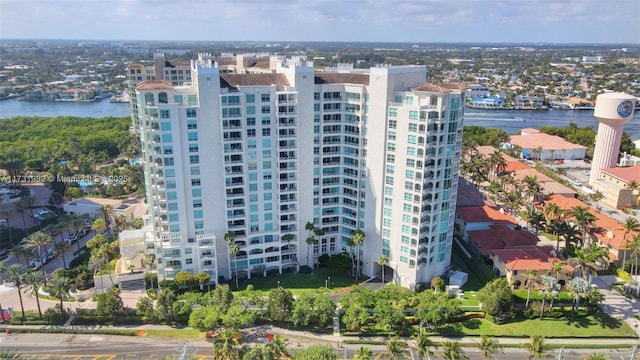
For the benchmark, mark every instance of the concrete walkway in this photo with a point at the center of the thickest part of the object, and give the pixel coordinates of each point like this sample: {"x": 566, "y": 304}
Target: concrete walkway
{"x": 616, "y": 305}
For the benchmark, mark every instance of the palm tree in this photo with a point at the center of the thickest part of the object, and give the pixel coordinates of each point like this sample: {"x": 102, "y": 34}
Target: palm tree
{"x": 536, "y": 347}
{"x": 107, "y": 215}
{"x": 149, "y": 260}
{"x": 383, "y": 260}
{"x": 358, "y": 240}
{"x": 6, "y": 215}
{"x": 15, "y": 273}
{"x": 489, "y": 347}
{"x": 225, "y": 345}
{"x": 257, "y": 352}
{"x": 578, "y": 288}
{"x": 22, "y": 207}
{"x": 596, "y": 356}
{"x": 34, "y": 279}
{"x": 395, "y": 351}
{"x": 546, "y": 288}
{"x": 60, "y": 248}
{"x": 596, "y": 197}
{"x": 630, "y": 225}
{"x": 633, "y": 185}
{"x": 21, "y": 253}
{"x": 532, "y": 188}
{"x": 452, "y": 350}
{"x": 39, "y": 240}
{"x": 587, "y": 260}
{"x": 234, "y": 249}
{"x": 98, "y": 226}
{"x": 569, "y": 233}
{"x": 311, "y": 240}
{"x": 634, "y": 247}
{"x": 423, "y": 344}
{"x": 584, "y": 219}
{"x": 537, "y": 151}
{"x": 76, "y": 224}
{"x": 531, "y": 276}
{"x": 363, "y": 354}
{"x": 60, "y": 289}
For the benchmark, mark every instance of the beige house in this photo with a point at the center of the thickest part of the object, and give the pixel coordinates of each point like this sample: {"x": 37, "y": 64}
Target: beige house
{"x": 613, "y": 184}
{"x": 515, "y": 263}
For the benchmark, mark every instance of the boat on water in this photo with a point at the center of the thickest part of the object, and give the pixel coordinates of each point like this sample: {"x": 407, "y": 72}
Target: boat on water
{"x": 518, "y": 118}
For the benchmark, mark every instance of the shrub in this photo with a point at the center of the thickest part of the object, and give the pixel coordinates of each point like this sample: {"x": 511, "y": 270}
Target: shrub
{"x": 623, "y": 274}
{"x": 304, "y": 269}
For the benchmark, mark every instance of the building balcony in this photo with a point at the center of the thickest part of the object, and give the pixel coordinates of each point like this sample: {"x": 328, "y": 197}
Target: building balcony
{"x": 208, "y": 255}
{"x": 206, "y": 243}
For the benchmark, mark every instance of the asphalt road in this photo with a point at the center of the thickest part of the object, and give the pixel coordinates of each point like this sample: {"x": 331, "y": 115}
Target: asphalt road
{"x": 85, "y": 347}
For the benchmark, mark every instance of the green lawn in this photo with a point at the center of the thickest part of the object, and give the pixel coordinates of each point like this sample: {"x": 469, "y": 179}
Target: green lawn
{"x": 301, "y": 283}
{"x": 598, "y": 324}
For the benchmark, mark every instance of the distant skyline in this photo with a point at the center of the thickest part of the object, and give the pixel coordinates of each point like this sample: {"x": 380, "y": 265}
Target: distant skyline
{"x": 504, "y": 21}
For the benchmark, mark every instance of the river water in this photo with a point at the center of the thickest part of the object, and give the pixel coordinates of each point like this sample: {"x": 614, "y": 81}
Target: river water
{"x": 509, "y": 121}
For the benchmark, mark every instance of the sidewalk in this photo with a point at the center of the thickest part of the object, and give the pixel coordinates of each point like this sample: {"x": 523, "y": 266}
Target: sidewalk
{"x": 616, "y": 305}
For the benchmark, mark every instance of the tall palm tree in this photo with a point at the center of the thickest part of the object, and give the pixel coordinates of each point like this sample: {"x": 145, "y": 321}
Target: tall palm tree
{"x": 39, "y": 240}
{"x": 578, "y": 288}
{"x": 536, "y": 347}
{"x": 395, "y": 351}
{"x": 363, "y": 354}
{"x": 34, "y": 279}
{"x": 15, "y": 273}
{"x": 634, "y": 186}
{"x": 423, "y": 345}
{"x": 532, "y": 189}
{"x": 311, "y": 240}
{"x": 6, "y": 215}
{"x": 596, "y": 197}
{"x": 234, "y": 249}
{"x": 584, "y": 219}
{"x": 569, "y": 233}
{"x": 587, "y": 260}
{"x": 107, "y": 213}
{"x": 225, "y": 345}
{"x": 149, "y": 260}
{"x": 23, "y": 207}
{"x": 76, "y": 224}
{"x": 98, "y": 226}
{"x": 60, "y": 248}
{"x": 21, "y": 253}
{"x": 257, "y": 352}
{"x": 358, "y": 239}
{"x": 60, "y": 289}
{"x": 531, "y": 276}
{"x": 452, "y": 350}
{"x": 489, "y": 347}
{"x": 546, "y": 288}
{"x": 631, "y": 225}
{"x": 633, "y": 246}
{"x": 383, "y": 260}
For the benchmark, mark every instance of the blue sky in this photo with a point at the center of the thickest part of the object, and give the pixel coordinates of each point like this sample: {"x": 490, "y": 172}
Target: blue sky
{"x": 558, "y": 21}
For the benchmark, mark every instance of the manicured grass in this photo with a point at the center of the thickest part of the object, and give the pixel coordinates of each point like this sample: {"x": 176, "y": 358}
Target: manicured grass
{"x": 177, "y": 334}
{"x": 595, "y": 325}
{"x": 479, "y": 273}
{"x": 300, "y": 283}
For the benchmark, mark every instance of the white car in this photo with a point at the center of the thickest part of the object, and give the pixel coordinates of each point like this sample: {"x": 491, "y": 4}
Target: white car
{"x": 576, "y": 182}
{"x": 585, "y": 172}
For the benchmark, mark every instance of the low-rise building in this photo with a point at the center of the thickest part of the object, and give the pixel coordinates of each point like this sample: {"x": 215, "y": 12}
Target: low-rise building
{"x": 533, "y": 102}
{"x": 481, "y": 218}
{"x": 541, "y": 146}
{"x": 92, "y": 207}
{"x": 515, "y": 263}
{"x": 614, "y": 184}
{"x": 500, "y": 236}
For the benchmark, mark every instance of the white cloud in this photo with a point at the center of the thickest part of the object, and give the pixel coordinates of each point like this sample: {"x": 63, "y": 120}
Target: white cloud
{"x": 329, "y": 20}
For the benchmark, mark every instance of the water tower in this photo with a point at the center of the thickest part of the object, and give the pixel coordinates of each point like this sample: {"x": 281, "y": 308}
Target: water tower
{"x": 613, "y": 110}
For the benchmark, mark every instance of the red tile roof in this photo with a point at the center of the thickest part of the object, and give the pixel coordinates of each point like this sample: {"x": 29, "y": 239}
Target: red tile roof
{"x": 484, "y": 214}
{"x": 539, "y": 258}
{"x": 608, "y": 230}
{"x": 154, "y": 85}
{"x": 501, "y": 237}
{"x": 545, "y": 141}
{"x": 626, "y": 174}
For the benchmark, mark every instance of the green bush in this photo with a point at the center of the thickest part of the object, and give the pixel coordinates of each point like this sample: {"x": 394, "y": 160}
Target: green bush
{"x": 625, "y": 276}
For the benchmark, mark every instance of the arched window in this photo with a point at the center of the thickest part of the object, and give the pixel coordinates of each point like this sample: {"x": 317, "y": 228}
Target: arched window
{"x": 434, "y": 100}
{"x": 163, "y": 98}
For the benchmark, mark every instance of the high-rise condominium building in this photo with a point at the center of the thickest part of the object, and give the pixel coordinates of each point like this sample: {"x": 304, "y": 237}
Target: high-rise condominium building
{"x": 262, "y": 147}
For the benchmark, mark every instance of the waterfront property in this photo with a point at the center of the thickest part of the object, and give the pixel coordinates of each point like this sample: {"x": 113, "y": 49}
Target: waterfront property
{"x": 287, "y": 164}
{"x": 541, "y": 146}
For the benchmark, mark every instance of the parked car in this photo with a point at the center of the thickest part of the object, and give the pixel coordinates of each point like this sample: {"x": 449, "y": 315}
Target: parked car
{"x": 585, "y": 172}
{"x": 576, "y": 182}
{"x": 6, "y": 315}
{"x": 35, "y": 264}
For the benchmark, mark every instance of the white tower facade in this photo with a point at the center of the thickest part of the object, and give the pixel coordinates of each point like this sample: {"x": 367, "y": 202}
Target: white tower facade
{"x": 612, "y": 110}
{"x": 262, "y": 154}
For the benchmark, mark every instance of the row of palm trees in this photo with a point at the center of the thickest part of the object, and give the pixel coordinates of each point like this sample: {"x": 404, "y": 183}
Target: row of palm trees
{"x": 19, "y": 275}
{"x": 228, "y": 344}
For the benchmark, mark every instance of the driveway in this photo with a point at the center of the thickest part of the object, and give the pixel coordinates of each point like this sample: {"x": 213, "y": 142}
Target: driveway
{"x": 616, "y": 305}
